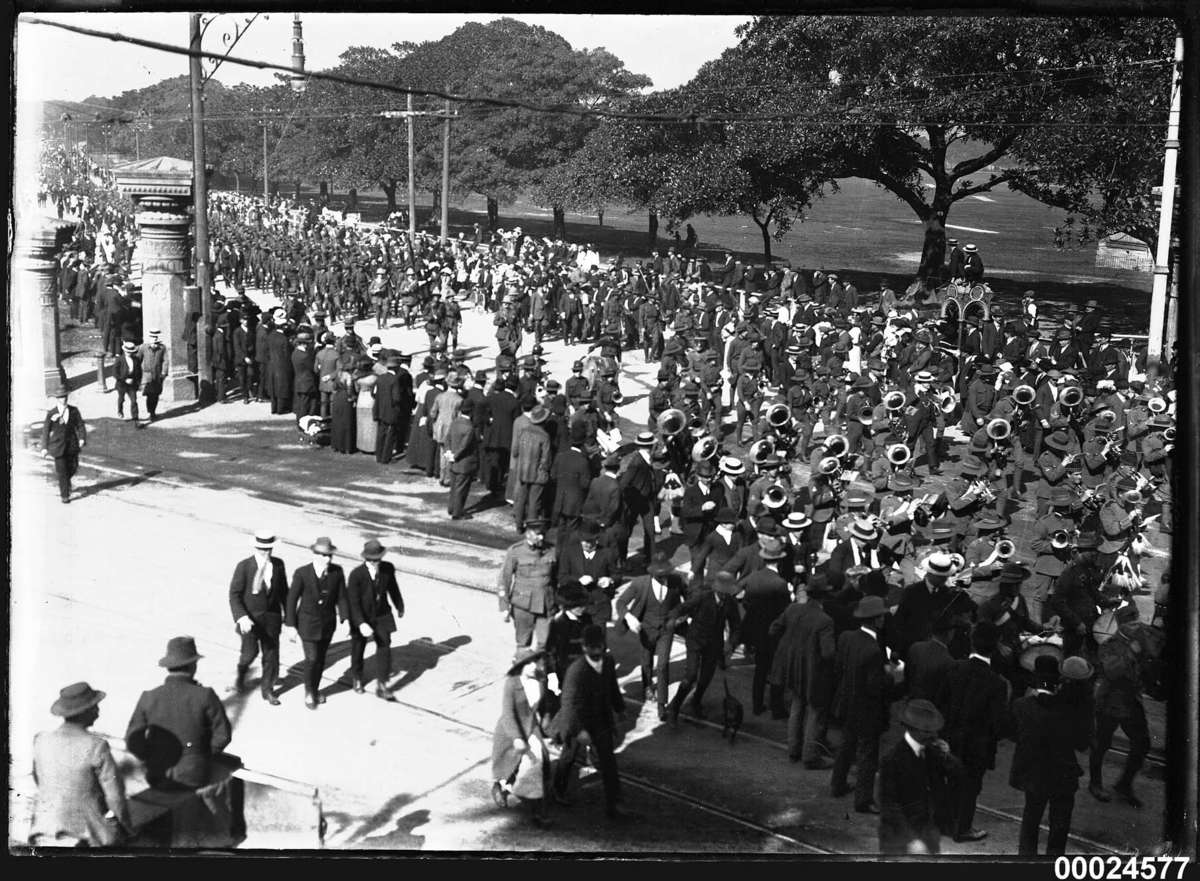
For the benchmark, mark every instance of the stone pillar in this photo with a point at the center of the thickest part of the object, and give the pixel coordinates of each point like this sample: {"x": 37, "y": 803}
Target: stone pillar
{"x": 35, "y": 303}
{"x": 161, "y": 190}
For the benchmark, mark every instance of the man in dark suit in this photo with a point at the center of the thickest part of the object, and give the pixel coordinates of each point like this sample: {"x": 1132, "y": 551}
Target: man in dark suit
{"x": 572, "y": 473}
{"x": 256, "y": 596}
{"x": 1049, "y": 731}
{"x": 386, "y": 411}
{"x": 370, "y": 587}
{"x": 262, "y": 372}
{"x": 711, "y": 609}
{"x": 910, "y": 783}
{"x": 698, "y": 509}
{"x": 564, "y": 644}
{"x": 649, "y": 607}
{"x": 803, "y": 671}
{"x": 765, "y": 595}
{"x": 592, "y": 705}
{"x": 974, "y": 699}
{"x": 177, "y": 728}
{"x": 860, "y": 702}
{"x": 315, "y": 602}
{"x": 462, "y": 449}
{"x": 928, "y": 661}
{"x": 63, "y": 436}
{"x": 305, "y": 397}
{"x": 128, "y": 375}
{"x": 604, "y": 505}
{"x": 243, "y": 356}
{"x": 638, "y": 492}
{"x": 503, "y": 408}
{"x": 596, "y": 568}
{"x": 921, "y": 604}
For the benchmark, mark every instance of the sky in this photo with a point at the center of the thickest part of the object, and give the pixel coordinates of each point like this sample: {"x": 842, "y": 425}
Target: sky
{"x": 55, "y": 64}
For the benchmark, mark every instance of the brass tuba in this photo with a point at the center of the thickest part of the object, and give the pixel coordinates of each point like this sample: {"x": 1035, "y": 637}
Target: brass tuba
{"x": 1168, "y": 434}
{"x": 1024, "y": 395}
{"x": 671, "y": 422}
{"x": 1071, "y": 397}
{"x": 836, "y": 445}
{"x": 895, "y": 401}
{"x": 1005, "y": 549}
{"x": 704, "y": 448}
{"x": 617, "y": 399}
{"x": 1060, "y": 539}
{"x": 866, "y": 415}
{"x": 829, "y": 466}
{"x": 1157, "y": 405}
{"x": 761, "y": 450}
{"x": 998, "y": 429}
{"x": 899, "y": 454}
{"x": 947, "y": 401}
{"x": 779, "y": 415}
{"x": 776, "y": 496}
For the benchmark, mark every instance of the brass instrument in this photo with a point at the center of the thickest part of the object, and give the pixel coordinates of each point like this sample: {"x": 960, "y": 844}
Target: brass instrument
{"x": 947, "y": 401}
{"x": 1060, "y": 539}
{"x": 836, "y": 445}
{"x": 617, "y": 399}
{"x": 1024, "y": 395}
{"x": 761, "y": 450}
{"x": 1169, "y": 434}
{"x": 1157, "y": 405}
{"x": 1070, "y": 397}
{"x": 696, "y": 424}
{"x": 704, "y": 448}
{"x": 830, "y": 466}
{"x": 899, "y": 454}
{"x": 998, "y": 429}
{"x": 1005, "y": 549}
{"x": 775, "y": 497}
{"x": 779, "y": 415}
{"x": 983, "y": 490}
{"x": 866, "y": 415}
{"x": 671, "y": 422}
{"x": 895, "y": 401}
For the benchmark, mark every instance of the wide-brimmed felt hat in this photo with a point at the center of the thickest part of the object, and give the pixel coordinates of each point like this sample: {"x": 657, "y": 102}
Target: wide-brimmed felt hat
{"x": 1088, "y": 540}
{"x": 537, "y": 524}
{"x": 725, "y": 516}
{"x": 724, "y": 582}
{"x": 923, "y": 716}
{"x": 660, "y": 565}
{"x": 373, "y": 550}
{"x": 771, "y": 547}
{"x": 989, "y": 521}
{"x": 972, "y": 465}
{"x": 590, "y": 530}
{"x": 1013, "y": 573}
{"x": 1058, "y": 440}
{"x": 870, "y": 607}
{"x": 181, "y": 651}
{"x": 525, "y": 656}
{"x": 1060, "y": 495}
{"x": 322, "y": 546}
{"x": 538, "y": 415}
{"x": 76, "y": 698}
{"x": 571, "y": 594}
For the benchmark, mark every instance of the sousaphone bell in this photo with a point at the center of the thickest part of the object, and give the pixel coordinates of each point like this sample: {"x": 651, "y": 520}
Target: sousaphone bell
{"x": 779, "y": 415}
{"x": 761, "y": 450}
{"x": 775, "y": 497}
{"x": 1024, "y": 395}
{"x": 899, "y": 454}
{"x": 894, "y": 401}
{"x": 998, "y": 429}
{"x": 704, "y": 448}
{"x": 671, "y": 422}
{"x": 836, "y": 445}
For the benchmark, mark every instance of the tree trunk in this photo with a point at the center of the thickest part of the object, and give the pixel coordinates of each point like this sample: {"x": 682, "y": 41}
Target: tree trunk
{"x": 765, "y": 229}
{"x": 389, "y": 190}
{"x": 653, "y": 232}
{"x": 352, "y": 199}
{"x": 933, "y": 249}
{"x": 560, "y": 222}
{"x": 297, "y": 191}
{"x": 437, "y": 201}
{"x": 493, "y": 213}
{"x": 600, "y": 215}
{"x": 237, "y": 182}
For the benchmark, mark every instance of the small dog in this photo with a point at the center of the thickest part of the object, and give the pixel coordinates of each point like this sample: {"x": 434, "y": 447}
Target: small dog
{"x": 734, "y": 714}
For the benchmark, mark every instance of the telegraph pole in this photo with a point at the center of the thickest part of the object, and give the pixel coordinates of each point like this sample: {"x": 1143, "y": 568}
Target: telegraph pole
{"x": 266, "y": 177}
{"x": 412, "y": 181}
{"x": 1162, "y": 258}
{"x": 200, "y": 186}
{"x": 445, "y": 174}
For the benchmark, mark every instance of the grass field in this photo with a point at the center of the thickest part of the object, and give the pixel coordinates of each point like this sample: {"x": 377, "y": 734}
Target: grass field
{"x": 864, "y": 233}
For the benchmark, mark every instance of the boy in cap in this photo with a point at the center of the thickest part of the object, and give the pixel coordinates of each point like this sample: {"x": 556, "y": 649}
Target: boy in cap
{"x": 63, "y": 436}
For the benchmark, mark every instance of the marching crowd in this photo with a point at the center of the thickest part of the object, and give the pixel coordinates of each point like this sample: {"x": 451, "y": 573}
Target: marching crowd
{"x": 794, "y": 450}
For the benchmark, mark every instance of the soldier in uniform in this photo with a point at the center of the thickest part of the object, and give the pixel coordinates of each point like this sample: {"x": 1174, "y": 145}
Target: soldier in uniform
{"x": 1077, "y": 597}
{"x": 1052, "y": 558}
{"x": 526, "y": 585}
{"x": 920, "y": 420}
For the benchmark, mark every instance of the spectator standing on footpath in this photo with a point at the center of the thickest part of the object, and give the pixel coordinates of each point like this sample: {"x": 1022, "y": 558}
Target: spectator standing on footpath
{"x": 63, "y": 436}
{"x": 80, "y": 797}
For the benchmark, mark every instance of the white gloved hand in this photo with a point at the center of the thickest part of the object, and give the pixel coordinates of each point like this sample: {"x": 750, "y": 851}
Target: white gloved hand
{"x": 365, "y": 630}
{"x": 552, "y": 681}
{"x": 519, "y": 745}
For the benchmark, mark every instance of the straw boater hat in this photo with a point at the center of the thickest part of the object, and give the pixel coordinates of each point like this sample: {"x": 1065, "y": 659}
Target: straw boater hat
{"x": 74, "y": 699}
{"x": 864, "y": 530}
{"x": 732, "y": 466}
{"x": 264, "y": 540}
{"x": 645, "y": 439}
{"x": 939, "y": 564}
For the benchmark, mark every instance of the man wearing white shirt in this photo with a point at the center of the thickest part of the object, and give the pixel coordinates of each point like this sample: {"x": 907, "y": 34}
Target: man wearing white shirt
{"x": 649, "y": 607}
{"x": 256, "y": 596}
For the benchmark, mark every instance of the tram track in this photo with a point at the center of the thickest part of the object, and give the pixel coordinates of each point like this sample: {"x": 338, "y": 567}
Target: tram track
{"x": 634, "y": 780}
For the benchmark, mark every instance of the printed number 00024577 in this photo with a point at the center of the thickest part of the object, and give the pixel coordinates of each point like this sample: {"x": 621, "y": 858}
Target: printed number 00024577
{"x": 1116, "y": 868}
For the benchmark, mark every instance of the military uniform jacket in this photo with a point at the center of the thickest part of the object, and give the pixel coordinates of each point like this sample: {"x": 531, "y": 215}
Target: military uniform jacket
{"x": 63, "y": 436}
{"x": 527, "y": 579}
{"x": 314, "y": 604}
{"x": 264, "y": 608}
{"x": 369, "y": 597}
{"x": 193, "y": 714}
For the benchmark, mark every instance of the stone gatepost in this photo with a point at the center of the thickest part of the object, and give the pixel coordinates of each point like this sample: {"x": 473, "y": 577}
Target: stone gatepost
{"x": 34, "y": 303}
{"x": 161, "y": 190}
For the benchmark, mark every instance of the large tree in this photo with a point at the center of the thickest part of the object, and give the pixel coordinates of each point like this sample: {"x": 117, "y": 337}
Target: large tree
{"x": 1066, "y": 110}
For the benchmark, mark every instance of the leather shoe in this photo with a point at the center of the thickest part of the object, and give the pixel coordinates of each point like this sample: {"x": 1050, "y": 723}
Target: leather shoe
{"x": 358, "y": 686}
{"x": 320, "y": 698}
{"x": 499, "y": 796}
{"x": 384, "y": 694}
{"x": 310, "y": 703}
{"x": 1126, "y": 793}
{"x": 869, "y": 808}
{"x": 271, "y": 699}
{"x": 1099, "y": 792}
{"x": 971, "y": 835}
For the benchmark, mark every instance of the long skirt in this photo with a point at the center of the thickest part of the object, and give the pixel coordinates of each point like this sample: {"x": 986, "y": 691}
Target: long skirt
{"x": 364, "y": 413}
{"x": 422, "y": 451}
{"x": 342, "y": 430}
